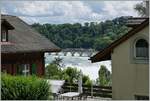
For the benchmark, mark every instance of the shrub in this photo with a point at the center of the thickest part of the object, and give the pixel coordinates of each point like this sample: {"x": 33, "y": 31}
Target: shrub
{"x": 104, "y": 76}
{"x": 52, "y": 71}
{"x": 23, "y": 88}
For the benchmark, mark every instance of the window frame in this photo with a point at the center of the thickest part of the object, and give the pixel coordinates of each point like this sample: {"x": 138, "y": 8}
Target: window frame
{"x": 4, "y": 30}
{"x": 22, "y": 69}
{"x": 139, "y": 58}
{"x": 132, "y": 42}
{"x": 26, "y": 69}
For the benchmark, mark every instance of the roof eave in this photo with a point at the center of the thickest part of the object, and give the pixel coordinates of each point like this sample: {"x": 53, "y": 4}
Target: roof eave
{"x": 53, "y": 50}
{"x": 106, "y": 52}
{"x": 44, "y": 50}
{"x": 101, "y": 57}
{"x": 5, "y": 22}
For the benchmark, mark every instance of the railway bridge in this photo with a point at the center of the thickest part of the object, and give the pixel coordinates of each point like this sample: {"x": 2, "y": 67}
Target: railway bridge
{"x": 80, "y": 51}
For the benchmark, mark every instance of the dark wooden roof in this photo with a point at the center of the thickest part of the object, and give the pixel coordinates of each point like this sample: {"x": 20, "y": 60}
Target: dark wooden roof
{"x": 105, "y": 54}
{"x": 4, "y": 22}
{"x": 25, "y": 39}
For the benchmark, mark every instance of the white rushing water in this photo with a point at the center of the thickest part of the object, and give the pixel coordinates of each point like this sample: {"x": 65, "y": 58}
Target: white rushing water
{"x": 81, "y": 63}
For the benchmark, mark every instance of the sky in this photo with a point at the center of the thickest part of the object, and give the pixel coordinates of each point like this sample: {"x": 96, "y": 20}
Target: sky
{"x": 59, "y": 12}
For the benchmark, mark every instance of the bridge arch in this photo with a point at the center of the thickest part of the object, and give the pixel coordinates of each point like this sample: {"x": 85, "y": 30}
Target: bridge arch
{"x": 80, "y": 51}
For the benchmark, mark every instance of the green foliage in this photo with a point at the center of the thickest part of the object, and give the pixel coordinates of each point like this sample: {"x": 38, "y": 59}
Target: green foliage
{"x": 141, "y": 8}
{"x": 89, "y": 35}
{"x": 86, "y": 80}
{"x": 71, "y": 74}
{"x": 52, "y": 71}
{"x": 57, "y": 61}
{"x": 103, "y": 42}
{"x": 24, "y": 88}
{"x": 68, "y": 74}
{"x": 104, "y": 76}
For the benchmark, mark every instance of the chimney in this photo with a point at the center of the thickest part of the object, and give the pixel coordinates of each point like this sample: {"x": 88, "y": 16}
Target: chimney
{"x": 147, "y": 8}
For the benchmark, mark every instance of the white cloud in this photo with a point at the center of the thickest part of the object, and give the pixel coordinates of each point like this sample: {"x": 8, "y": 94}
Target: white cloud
{"x": 73, "y": 11}
{"x": 3, "y": 11}
{"x": 119, "y": 8}
{"x": 67, "y": 11}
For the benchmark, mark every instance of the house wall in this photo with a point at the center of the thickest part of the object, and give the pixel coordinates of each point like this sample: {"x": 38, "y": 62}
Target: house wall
{"x": 129, "y": 78}
{"x": 8, "y": 68}
{"x": 10, "y": 62}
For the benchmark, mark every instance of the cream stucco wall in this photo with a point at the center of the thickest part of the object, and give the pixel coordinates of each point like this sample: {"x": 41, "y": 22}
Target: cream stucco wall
{"x": 128, "y": 77}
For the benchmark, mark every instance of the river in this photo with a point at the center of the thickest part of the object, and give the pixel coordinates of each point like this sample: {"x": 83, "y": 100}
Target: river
{"x": 81, "y": 63}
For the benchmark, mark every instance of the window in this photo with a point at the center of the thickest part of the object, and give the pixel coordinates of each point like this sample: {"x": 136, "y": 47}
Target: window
{"x": 4, "y": 36}
{"x": 141, "y": 49}
{"x": 24, "y": 69}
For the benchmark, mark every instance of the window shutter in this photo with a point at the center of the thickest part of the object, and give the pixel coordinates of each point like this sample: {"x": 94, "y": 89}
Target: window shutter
{"x": 34, "y": 68}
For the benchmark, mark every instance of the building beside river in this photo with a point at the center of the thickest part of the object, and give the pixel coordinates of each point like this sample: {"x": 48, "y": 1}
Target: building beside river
{"x": 130, "y": 63}
{"x": 22, "y": 48}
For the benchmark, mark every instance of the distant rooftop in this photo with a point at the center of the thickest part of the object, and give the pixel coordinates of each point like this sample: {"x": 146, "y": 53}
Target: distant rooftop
{"x": 134, "y": 21}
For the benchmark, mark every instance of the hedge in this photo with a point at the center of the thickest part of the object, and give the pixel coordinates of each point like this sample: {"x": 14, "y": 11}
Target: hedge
{"x": 24, "y": 88}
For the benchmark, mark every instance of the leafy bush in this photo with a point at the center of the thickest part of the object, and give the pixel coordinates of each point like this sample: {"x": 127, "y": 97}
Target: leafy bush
{"x": 86, "y": 80}
{"x": 23, "y": 88}
{"x": 52, "y": 71}
{"x": 68, "y": 74}
{"x": 104, "y": 78}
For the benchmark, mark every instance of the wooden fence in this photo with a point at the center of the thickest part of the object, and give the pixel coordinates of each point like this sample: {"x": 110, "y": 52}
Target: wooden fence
{"x": 93, "y": 91}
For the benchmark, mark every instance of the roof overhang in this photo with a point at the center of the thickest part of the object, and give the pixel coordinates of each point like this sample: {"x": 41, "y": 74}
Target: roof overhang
{"x": 101, "y": 57}
{"x": 44, "y": 50}
{"x": 7, "y": 24}
{"x": 105, "y": 54}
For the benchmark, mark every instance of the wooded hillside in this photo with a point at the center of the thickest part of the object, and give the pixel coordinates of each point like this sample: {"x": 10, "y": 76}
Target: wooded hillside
{"x": 88, "y": 35}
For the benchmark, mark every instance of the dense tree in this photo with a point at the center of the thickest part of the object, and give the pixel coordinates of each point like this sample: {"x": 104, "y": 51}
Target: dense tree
{"x": 89, "y": 35}
{"x": 100, "y": 43}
